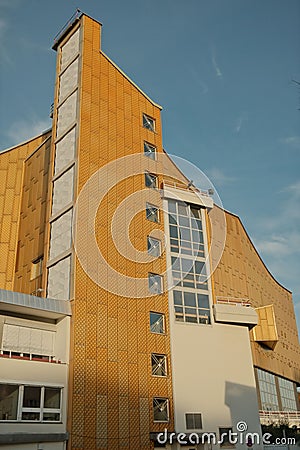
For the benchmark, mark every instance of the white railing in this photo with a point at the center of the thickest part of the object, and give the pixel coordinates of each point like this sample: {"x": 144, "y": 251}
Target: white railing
{"x": 234, "y": 301}
{"x": 291, "y": 418}
{"x": 181, "y": 187}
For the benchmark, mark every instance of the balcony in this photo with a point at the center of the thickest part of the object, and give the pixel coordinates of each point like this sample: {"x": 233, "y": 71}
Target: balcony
{"x": 290, "y": 418}
{"x": 186, "y": 193}
{"x": 236, "y": 311}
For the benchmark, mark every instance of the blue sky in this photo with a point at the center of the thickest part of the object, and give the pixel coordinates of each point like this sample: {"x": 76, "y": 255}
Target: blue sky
{"x": 221, "y": 69}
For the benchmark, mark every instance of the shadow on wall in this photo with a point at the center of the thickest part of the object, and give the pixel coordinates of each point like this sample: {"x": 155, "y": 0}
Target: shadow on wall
{"x": 243, "y": 405}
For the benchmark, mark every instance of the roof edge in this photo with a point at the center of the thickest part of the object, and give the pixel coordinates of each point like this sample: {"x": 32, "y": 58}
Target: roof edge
{"x": 25, "y": 142}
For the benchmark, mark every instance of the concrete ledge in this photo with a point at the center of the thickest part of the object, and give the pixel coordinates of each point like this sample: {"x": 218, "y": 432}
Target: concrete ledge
{"x": 28, "y": 438}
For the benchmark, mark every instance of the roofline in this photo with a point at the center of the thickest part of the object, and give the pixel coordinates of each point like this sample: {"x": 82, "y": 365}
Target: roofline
{"x": 25, "y": 142}
{"x": 256, "y": 251}
{"x": 130, "y": 81}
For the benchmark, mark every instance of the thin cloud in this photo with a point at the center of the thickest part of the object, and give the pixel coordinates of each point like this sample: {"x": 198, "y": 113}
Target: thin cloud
{"x": 293, "y": 141}
{"x": 239, "y": 122}
{"x": 215, "y": 64}
{"x": 219, "y": 177}
{"x": 23, "y": 130}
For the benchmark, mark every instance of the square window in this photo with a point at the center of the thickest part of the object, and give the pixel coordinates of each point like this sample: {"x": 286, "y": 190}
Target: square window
{"x": 160, "y": 409}
{"x": 225, "y": 437}
{"x": 153, "y": 246}
{"x": 52, "y": 398}
{"x": 157, "y": 323}
{"x": 155, "y": 283}
{"x": 148, "y": 122}
{"x": 150, "y": 180}
{"x": 193, "y": 421}
{"x": 159, "y": 365}
{"x": 152, "y": 213}
{"x": 149, "y": 150}
{"x": 32, "y": 397}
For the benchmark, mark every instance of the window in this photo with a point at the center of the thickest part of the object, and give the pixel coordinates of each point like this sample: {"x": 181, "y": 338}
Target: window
{"x": 150, "y": 180}
{"x": 193, "y": 421}
{"x": 154, "y": 246}
{"x": 9, "y": 394}
{"x": 287, "y": 394}
{"x": 30, "y": 403}
{"x": 159, "y": 365}
{"x": 155, "y": 283}
{"x": 152, "y": 213}
{"x": 225, "y": 436}
{"x": 268, "y": 392}
{"x": 149, "y": 150}
{"x": 191, "y": 307}
{"x": 160, "y": 409}
{"x": 36, "y": 268}
{"x": 148, "y": 122}
{"x": 157, "y": 323}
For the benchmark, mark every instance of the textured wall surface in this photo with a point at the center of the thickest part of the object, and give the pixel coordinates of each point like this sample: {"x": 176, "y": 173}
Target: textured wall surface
{"x": 242, "y": 274}
{"x": 15, "y": 192}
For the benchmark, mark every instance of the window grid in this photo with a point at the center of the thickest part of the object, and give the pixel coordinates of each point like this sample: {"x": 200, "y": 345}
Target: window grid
{"x": 159, "y": 365}
{"x": 268, "y": 393}
{"x": 160, "y": 409}
{"x": 26, "y": 403}
{"x": 189, "y": 276}
{"x": 193, "y": 421}
{"x": 287, "y": 394}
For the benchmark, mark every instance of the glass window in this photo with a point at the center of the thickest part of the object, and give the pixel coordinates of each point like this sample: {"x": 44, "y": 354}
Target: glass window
{"x": 193, "y": 421}
{"x": 149, "y": 150}
{"x": 9, "y": 394}
{"x": 157, "y": 322}
{"x": 155, "y": 283}
{"x": 159, "y": 365}
{"x": 268, "y": 392}
{"x": 287, "y": 394}
{"x": 160, "y": 409}
{"x": 150, "y": 180}
{"x": 148, "y": 122}
{"x": 154, "y": 246}
{"x": 224, "y": 436}
{"x": 32, "y": 397}
{"x": 152, "y": 213}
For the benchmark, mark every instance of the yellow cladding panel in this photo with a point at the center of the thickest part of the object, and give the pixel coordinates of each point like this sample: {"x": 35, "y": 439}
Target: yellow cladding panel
{"x": 112, "y": 339}
{"x": 242, "y": 274}
{"x": 12, "y": 171}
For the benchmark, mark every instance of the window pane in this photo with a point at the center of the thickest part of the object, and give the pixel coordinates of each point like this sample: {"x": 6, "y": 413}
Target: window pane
{"x": 149, "y": 150}
{"x": 160, "y": 409}
{"x": 177, "y": 298}
{"x": 51, "y": 417}
{"x": 151, "y": 212}
{"x": 32, "y": 397}
{"x": 154, "y": 247}
{"x": 30, "y": 416}
{"x": 52, "y": 398}
{"x": 159, "y": 366}
{"x": 157, "y": 324}
{"x": 148, "y": 122}
{"x": 8, "y": 401}
{"x": 189, "y": 299}
{"x": 155, "y": 283}
{"x": 203, "y": 301}
{"x": 150, "y": 180}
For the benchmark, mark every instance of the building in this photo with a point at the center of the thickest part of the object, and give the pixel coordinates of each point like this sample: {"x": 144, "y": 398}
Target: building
{"x": 130, "y": 303}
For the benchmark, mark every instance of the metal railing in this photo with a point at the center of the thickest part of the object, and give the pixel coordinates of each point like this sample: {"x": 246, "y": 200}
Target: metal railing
{"x": 234, "y": 301}
{"x": 181, "y": 187}
{"x": 291, "y": 418}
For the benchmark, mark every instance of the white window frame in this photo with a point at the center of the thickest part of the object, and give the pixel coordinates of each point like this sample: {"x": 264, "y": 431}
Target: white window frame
{"x": 159, "y": 361}
{"x": 165, "y": 402}
{"x": 194, "y": 420}
{"x": 148, "y": 122}
{"x": 153, "y": 244}
{"x": 152, "y": 211}
{"x": 150, "y": 150}
{"x": 161, "y": 320}
{"x": 154, "y": 279}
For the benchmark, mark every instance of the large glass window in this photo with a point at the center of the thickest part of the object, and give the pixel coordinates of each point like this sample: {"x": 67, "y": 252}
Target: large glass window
{"x": 189, "y": 273}
{"x": 287, "y": 394}
{"x": 30, "y": 403}
{"x": 267, "y": 389}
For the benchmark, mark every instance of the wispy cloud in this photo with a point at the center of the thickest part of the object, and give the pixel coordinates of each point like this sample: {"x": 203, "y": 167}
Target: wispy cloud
{"x": 293, "y": 141}
{"x": 215, "y": 64}
{"x": 22, "y": 130}
{"x": 240, "y": 121}
{"x": 219, "y": 177}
